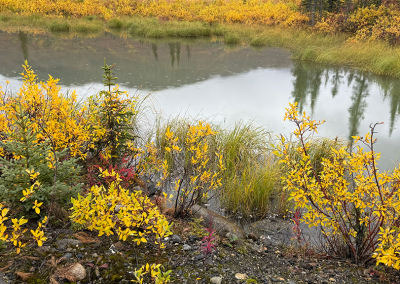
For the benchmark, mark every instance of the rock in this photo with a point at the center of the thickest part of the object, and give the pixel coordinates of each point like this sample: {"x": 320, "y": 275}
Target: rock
{"x": 266, "y": 240}
{"x": 73, "y": 273}
{"x": 120, "y": 246}
{"x": 176, "y": 239}
{"x": 241, "y": 276}
{"x": 220, "y": 223}
{"x": 2, "y": 278}
{"x": 255, "y": 247}
{"x": 291, "y": 282}
{"x": 63, "y": 243}
{"x": 42, "y": 250}
{"x": 95, "y": 255}
{"x": 216, "y": 280}
{"x": 313, "y": 264}
{"x": 199, "y": 257}
{"x": 186, "y": 247}
{"x": 332, "y": 279}
{"x": 67, "y": 255}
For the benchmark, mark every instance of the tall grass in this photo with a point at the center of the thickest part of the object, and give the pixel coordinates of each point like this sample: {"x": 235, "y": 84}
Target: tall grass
{"x": 251, "y": 184}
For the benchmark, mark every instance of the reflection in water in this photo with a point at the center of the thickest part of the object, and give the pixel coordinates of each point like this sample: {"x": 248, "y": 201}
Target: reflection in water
{"x": 154, "y": 48}
{"x": 359, "y": 104}
{"x": 213, "y": 81}
{"x": 307, "y": 83}
{"x": 175, "y": 52}
{"x": 23, "y": 38}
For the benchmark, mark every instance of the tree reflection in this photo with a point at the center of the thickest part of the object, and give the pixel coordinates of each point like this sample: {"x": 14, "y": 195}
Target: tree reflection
{"x": 359, "y": 104}
{"x": 23, "y": 38}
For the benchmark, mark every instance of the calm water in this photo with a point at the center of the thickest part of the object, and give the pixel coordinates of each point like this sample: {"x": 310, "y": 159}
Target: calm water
{"x": 205, "y": 79}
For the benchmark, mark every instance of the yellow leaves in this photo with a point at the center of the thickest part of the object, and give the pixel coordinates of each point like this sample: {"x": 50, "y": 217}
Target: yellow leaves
{"x": 345, "y": 193}
{"x": 135, "y": 211}
{"x": 36, "y": 206}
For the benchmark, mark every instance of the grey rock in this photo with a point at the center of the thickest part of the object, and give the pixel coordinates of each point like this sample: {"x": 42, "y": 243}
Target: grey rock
{"x": 216, "y": 280}
{"x": 255, "y": 247}
{"x": 1, "y": 278}
{"x": 199, "y": 257}
{"x": 68, "y": 255}
{"x": 220, "y": 223}
{"x": 176, "y": 239}
{"x": 62, "y": 244}
{"x": 291, "y": 282}
{"x": 186, "y": 247}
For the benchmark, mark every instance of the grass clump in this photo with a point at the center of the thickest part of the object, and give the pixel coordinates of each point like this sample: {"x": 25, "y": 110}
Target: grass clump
{"x": 59, "y": 26}
{"x": 252, "y": 176}
{"x": 115, "y": 23}
{"x": 231, "y": 38}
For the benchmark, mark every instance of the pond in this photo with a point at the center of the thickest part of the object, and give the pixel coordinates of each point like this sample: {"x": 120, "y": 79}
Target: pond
{"x": 206, "y": 79}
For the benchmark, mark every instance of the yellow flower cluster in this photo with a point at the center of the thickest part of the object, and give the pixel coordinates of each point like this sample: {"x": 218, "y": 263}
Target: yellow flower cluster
{"x": 248, "y": 12}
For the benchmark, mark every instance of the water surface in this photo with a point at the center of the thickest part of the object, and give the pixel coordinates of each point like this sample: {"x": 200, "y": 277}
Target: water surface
{"x": 206, "y": 79}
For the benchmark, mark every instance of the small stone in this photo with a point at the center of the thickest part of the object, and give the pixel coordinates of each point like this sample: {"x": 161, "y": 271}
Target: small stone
{"x": 119, "y": 246}
{"x": 77, "y": 271}
{"x": 68, "y": 255}
{"x": 186, "y": 247}
{"x": 332, "y": 279}
{"x": 63, "y": 243}
{"x": 176, "y": 239}
{"x": 199, "y": 257}
{"x": 95, "y": 255}
{"x": 291, "y": 282}
{"x": 313, "y": 264}
{"x": 241, "y": 276}
{"x": 216, "y": 280}
{"x": 79, "y": 256}
{"x": 43, "y": 249}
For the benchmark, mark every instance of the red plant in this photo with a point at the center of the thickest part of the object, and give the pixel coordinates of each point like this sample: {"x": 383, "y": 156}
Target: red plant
{"x": 296, "y": 225}
{"x": 208, "y": 242}
{"x": 125, "y": 172}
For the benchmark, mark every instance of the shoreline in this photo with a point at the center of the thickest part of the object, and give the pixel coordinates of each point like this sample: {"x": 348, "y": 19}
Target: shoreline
{"x": 377, "y": 57}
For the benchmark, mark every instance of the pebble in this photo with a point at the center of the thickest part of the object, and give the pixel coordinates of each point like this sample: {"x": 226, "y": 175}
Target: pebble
{"x": 216, "y": 280}
{"x": 241, "y": 276}
{"x": 63, "y": 243}
{"x": 332, "y": 279}
{"x": 68, "y": 255}
{"x": 176, "y": 239}
{"x": 186, "y": 247}
{"x": 77, "y": 271}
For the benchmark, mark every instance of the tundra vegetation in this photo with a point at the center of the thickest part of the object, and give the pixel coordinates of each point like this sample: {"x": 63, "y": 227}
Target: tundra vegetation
{"x": 89, "y": 157}
{"x": 357, "y": 33}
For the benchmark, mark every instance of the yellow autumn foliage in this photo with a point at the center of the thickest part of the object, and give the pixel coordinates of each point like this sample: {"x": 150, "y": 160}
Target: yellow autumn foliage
{"x": 354, "y": 204}
{"x": 247, "y": 12}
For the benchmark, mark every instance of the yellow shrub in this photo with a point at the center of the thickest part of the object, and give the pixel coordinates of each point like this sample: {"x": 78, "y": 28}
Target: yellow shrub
{"x": 137, "y": 215}
{"x": 349, "y": 199}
